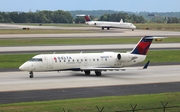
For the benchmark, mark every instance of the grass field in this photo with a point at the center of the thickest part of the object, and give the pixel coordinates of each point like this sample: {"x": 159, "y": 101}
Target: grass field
{"x": 44, "y": 31}
{"x": 161, "y": 26}
{"x": 55, "y": 24}
{"x": 75, "y": 41}
{"x": 15, "y": 60}
{"x": 110, "y": 104}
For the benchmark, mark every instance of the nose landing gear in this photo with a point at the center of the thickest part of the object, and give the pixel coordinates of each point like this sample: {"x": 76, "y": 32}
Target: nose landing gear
{"x": 31, "y": 74}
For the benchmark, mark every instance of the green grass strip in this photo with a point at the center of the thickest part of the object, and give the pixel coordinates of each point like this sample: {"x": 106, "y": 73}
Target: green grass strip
{"x": 76, "y": 41}
{"x": 110, "y": 104}
{"x": 15, "y": 60}
{"x": 49, "y": 31}
{"x": 161, "y": 26}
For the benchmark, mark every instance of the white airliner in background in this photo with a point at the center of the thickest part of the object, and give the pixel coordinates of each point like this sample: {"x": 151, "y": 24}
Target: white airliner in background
{"x": 88, "y": 62}
{"x": 107, "y": 24}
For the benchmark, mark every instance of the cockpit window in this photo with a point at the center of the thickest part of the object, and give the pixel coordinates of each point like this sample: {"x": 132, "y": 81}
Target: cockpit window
{"x": 36, "y": 59}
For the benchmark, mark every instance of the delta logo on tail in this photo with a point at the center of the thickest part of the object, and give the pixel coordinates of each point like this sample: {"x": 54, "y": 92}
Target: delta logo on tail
{"x": 143, "y": 46}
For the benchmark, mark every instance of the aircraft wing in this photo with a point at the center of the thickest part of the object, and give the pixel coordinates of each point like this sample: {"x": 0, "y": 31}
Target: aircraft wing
{"x": 116, "y": 69}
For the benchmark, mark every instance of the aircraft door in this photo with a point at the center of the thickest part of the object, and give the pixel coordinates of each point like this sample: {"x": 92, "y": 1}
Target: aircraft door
{"x": 49, "y": 62}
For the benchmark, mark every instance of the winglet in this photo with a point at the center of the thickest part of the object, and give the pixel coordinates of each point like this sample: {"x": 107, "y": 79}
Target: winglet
{"x": 146, "y": 65}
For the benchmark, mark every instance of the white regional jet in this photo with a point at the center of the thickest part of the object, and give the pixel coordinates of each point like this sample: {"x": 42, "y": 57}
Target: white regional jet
{"x": 88, "y": 62}
{"x": 107, "y": 24}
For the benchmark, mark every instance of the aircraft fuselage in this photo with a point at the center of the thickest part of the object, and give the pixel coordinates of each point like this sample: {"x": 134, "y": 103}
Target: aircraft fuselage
{"x": 106, "y": 24}
{"x": 74, "y": 62}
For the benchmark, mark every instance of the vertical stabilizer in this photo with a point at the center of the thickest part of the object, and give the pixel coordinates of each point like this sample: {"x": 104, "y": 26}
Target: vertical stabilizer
{"x": 143, "y": 45}
{"x": 87, "y": 18}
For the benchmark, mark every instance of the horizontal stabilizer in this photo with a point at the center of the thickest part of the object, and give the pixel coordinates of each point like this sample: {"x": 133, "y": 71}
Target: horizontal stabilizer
{"x": 81, "y": 15}
{"x": 152, "y": 37}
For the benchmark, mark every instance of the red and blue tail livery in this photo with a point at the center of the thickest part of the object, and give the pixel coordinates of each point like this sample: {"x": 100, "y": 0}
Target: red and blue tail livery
{"x": 87, "y": 18}
{"x": 143, "y": 45}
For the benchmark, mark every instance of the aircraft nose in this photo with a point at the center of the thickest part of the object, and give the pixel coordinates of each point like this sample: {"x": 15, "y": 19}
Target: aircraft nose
{"x": 134, "y": 26}
{"x": 23, "y": 67}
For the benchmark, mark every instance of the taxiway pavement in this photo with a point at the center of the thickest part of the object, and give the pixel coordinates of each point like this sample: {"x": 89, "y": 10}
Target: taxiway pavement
{"x": 18, "y": 87}
{"x": 62, "y": 48}
{"x": 114, "y": 33}
{"x": 20, "y": 81}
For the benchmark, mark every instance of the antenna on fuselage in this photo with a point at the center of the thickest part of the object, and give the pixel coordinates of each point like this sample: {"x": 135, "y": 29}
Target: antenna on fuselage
{"x": 54, "y": 53}
{"x": 81, "y": 52}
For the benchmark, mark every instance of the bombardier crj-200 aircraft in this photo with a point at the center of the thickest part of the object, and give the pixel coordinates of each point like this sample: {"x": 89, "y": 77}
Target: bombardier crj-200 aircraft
{"x": 108, "y": 24}
{"x": 88, "y": 62}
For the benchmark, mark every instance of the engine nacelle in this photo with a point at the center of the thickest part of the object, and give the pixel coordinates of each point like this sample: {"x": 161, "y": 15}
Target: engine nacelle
{"x": 125, "y": 57}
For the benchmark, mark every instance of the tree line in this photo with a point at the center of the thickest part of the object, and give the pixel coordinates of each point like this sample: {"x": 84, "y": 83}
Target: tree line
{"x": 58, "y": 16}
{"x": 61, "y": 16}
{"x": 115, "y": 17}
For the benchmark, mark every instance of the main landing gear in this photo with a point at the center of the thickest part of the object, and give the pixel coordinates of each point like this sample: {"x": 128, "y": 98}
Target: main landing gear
{"x": 107, "y": 28}
{"x": 31, "y": 74}
{"x": 87, "y": 72}
{"x": 98, "y": 73}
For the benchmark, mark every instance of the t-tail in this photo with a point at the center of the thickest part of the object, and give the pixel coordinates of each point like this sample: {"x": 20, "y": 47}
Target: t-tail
{"x": 87, "y": 18}
{"x": 143, "y": 45}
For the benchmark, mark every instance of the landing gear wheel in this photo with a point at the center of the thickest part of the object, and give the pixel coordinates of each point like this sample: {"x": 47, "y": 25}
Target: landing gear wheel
{"x": 108, "y": 28}
{"x": 87, "y": 72}
{"x": 98, "y": 73}
{"x": 102, "y": 28}
{"x": 31, "y": 75}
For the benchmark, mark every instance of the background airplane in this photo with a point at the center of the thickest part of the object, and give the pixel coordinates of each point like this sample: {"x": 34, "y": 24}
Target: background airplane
{"x": 107, "y": 24}
{"x": 88, "y": 62}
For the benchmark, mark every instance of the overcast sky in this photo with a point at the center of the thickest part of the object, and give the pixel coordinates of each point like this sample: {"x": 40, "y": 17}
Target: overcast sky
{"x": 67, "y": 5}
